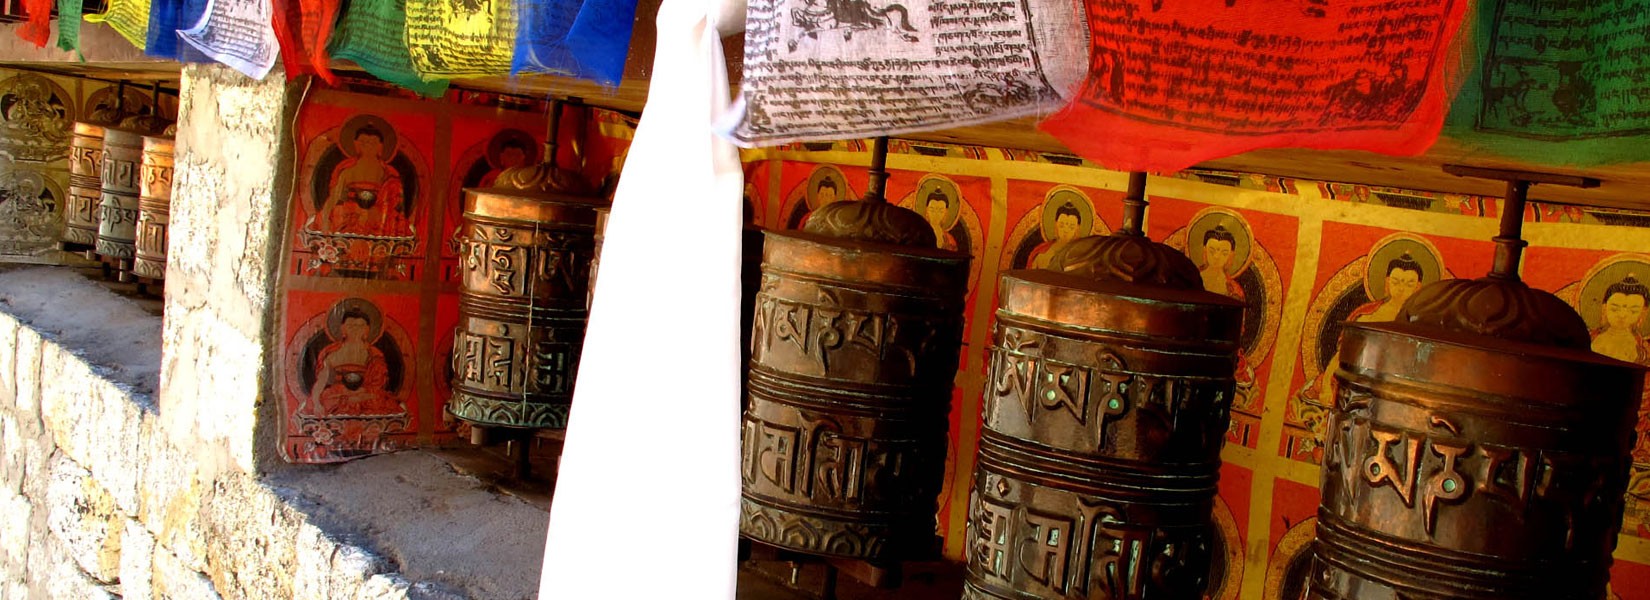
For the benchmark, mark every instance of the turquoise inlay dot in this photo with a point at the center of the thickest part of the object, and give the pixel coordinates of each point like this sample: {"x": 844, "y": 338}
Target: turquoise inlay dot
{"x": 1376, "y": 469}
{"x": 1113, "y": 404}
{"x": 1049, "y": 394}
{"x": 1449, "y": 485}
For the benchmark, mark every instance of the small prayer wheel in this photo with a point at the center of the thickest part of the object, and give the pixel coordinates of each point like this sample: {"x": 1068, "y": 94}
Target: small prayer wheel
{"x": 85, "y": 195}
{"x": 854, "y": 347}
{"x": 154, "y": 208}
{"x": 1107, "y": 404}
{"x": 525, "y": 250}
{"x": 118, "y": 206}
{"x": 596, "y": 254}
{"x": 1477, "y": 448}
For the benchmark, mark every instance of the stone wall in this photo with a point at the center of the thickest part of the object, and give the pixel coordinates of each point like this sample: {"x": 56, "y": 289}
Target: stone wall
{"x": 96, "y": 503}
{"x": 110, "y": 489}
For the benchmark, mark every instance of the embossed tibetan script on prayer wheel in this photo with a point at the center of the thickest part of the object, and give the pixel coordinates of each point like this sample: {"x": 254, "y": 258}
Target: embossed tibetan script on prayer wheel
{"x": 854, "y": 345}
{"x": 1477, "y": 449}
{"x": 1108, "y": 401}
{"x": 118, "y": 205}
{"x": 154, "y": 208}
{"x": 525, "y": 249}
{"x": 85, "y": 195}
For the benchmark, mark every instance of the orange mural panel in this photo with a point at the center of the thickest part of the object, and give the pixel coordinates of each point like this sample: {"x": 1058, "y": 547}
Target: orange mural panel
{"x": 1243, "y": 254}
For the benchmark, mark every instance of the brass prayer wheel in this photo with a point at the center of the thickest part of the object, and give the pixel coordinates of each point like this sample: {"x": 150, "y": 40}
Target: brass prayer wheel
{"x": 1464, "y": 463}
{"x": 854, "y": 347}
{"x": 596, "y": 254}
{"x": 1107, "y": 404}
{"x": 85, "y": 195}
{"x": 525, "y": 250}
{"x": 118, "y": 205}
{"x": 154, "y": 208}
{"x": 1477, "y": 449}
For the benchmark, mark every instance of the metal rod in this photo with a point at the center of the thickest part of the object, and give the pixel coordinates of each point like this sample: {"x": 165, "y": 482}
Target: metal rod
{"x": 120, "y": 97}
{"x": 1134, "y": 206}
{"x": 1509, "y": 245}
{"x": 875, "y": 190}
{"x": 552, "y": 131}
{"x": 154, "y": 97}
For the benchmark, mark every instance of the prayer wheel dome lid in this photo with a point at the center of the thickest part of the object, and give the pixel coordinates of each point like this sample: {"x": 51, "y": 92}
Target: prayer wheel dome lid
{"x": 542, "y": 193}
{"x": 90, "y": 128}
{"x": 1163, "y": 313}
{"x": 1501, "y": 308}
{"x": 144, "y": 124}
{"x": 1129, "y": 259}
{"x": 871, "y": 221}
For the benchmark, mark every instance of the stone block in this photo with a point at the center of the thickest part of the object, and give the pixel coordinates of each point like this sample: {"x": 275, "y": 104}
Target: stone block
{"x": 137, "y": 564}
{"x": 27, "y": 396}
{"x": 55, "y": 575}
{"x": 8, "y": 362}
{"x": 251, "y": 539}
{"x": 327, "y": 569}
{"x": 386, "y": 586}
{"x": 173, "y": 580}
{"x": 94, "y": 422}
{"x": 82, "y": 517}
{"x": 15, "y": 514}
{"x": 171, "y": 496}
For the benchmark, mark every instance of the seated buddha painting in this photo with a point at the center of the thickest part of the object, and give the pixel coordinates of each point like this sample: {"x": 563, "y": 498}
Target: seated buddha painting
{"x": 364, "y": 199}
{"x": 351, "y": 368}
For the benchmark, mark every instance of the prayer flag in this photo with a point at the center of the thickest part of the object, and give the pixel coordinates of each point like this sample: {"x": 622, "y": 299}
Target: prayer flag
{"x": 1558, "y": 83}
{"x": 588, "y": 39}
{"x": 372, "y": 35}
{"x": 450, "y": 39}
{"x": 838, "y": 69}
{"x": 1172, "y": 83}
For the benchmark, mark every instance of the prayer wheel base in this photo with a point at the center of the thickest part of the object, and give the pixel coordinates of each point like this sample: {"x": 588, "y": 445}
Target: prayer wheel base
{"x": 508, "y": 414}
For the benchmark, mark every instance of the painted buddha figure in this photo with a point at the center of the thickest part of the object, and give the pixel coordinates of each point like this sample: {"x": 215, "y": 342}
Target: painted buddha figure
{"x": 1621, "y": 315}
{"x": 1066, "y": 222}
{"x": 365, "y": 195}
{"x": 936, "y": 208}
{"x": 351, "y": 374}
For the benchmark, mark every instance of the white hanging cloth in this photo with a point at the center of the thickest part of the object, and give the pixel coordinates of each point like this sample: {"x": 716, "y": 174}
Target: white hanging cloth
{"x": 651, "y": 463}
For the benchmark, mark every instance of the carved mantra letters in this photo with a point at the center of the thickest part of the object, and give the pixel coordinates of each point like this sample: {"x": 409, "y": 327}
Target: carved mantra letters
{"x": 849, "y": 386}
{"x": 521, "y": 315}
{"x": 1051, "y": 395}
{"x": 118, "y": 207}
{"x": 1447, "y": 482}
{"x": 1101, "y": 449}
{"x": 80, "y": 213}
{"x": 154, "y": 208}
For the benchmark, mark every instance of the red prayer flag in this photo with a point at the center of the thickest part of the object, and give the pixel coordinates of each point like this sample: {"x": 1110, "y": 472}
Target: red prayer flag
{"x": 37, "y": 29}
{"x": 1173, "y": 83}
{"x": 303, "y": 28}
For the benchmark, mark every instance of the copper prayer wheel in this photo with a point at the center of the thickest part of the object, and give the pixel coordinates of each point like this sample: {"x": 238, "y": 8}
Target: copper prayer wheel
{"x": 154, "y": 208}
{"x": 1110, "y": 386}
{"x": 85, "y": 195}
{"x": 602, "y": 214}
{"x": 1477, "y": 448}
{"x": 525, "y": 269}
{"x": 854, "y": 346}
{"x": 118, "y": 206}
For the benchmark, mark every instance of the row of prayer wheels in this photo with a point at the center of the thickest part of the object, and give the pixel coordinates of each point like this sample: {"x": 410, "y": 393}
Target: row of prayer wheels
{"x": 119, "y": 197}
{"x": 1476, "y": 449}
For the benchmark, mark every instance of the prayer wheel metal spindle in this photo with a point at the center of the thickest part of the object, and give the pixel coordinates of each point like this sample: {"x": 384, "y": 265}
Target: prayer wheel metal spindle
{"x": 1477, "y": 449}
{"x": 854, "y": 348}
{"x": 525, "y": 251}
{"x": 118, "y": 206}
{"x": 85, "y": 195}
{"x": 1109, "y": 397}
{"x": 154, "y": 208}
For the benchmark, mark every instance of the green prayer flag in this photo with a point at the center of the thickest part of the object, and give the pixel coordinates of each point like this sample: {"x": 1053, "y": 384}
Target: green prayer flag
{"x": 1557, "y": 83}
{"x": 68, "y": 25}
{"x": 372, "y": 35}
